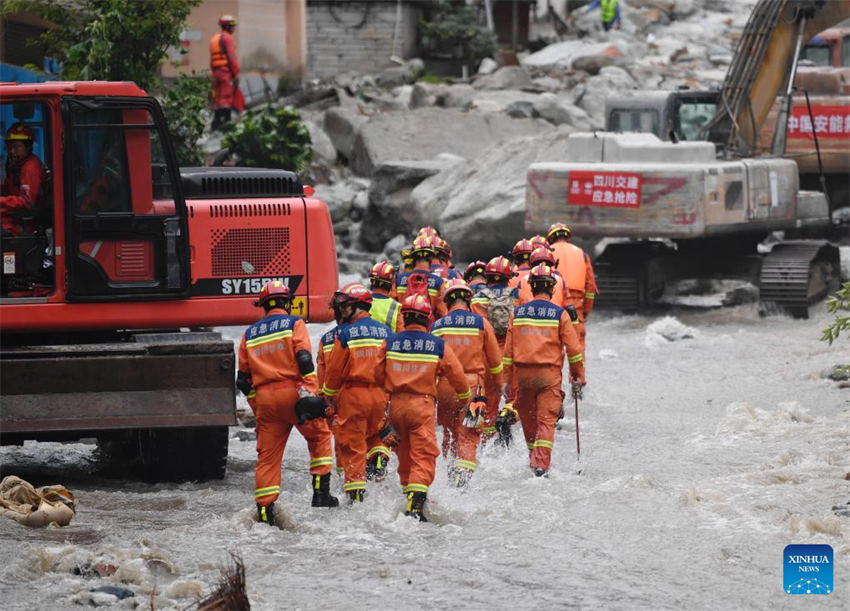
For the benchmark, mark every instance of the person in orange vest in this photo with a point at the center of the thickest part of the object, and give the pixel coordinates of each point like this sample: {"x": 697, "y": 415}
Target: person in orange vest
{"x": 414, "y": 360}
{"x": 275, "y": 359}
{"x": 539, "y": 255}
{"x": 421, "y": 280}
{"x": 520, "y": 254}
{"x": 22, "y": 190}
{"x": 539, "y": 334}
{"x": 575, "y": 267}
{"x": 351, "y": 381}
{"x": 472, "y": 339}
{"x": 474, "y": 275}
{"x": 224, "y": 64}
{"x": 384, "y": 309}
{"x": 495, "y": 302}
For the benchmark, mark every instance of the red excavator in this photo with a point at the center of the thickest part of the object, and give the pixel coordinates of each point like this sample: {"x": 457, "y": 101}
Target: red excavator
{"x": 127, "y": 261}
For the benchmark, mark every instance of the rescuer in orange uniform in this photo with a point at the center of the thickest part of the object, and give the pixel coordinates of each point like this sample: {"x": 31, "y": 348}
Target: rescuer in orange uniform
{"x": 23, "y": 187}
{"x": 539, "y": 335}
{"x": 442, "y": 264}
{"x": 421, "y": 278}
{"x": 414, "y": 360}
{"x": 520, "y": 254}
{"x": 473, "y": 341}
{"x": 384, "y": 309}
{"x": 224, "y": 64}
{"x": 475, "y": 275}
{"x": 326, "y": 344}
{"x": 351, "y": 380}
{"x": 539, "y": 255}
{"x": 275, "y": 359}
{"x": 577, "y": 271}
{"x": 498, "y": 272}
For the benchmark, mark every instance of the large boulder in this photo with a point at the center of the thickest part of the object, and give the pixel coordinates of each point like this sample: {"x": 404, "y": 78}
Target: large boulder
{"x": 389, "y": 211}
{"x": 508, "y": 77}
{"x": 558, "y": 110}
{"x": 597, "y": 88}
{"x": 341, "y": 125}
{"x": 562, "y": 55}
{"x": 424, "y": 133}
{"x": 479, "y": 206}
{"x": 323, "y": 149}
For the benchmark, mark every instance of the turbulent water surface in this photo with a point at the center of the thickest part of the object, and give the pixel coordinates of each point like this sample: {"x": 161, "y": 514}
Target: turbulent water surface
{"x": 709, "y": 443}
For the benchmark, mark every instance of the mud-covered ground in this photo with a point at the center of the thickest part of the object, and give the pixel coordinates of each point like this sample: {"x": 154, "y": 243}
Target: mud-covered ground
{"x": 709, "y": 443}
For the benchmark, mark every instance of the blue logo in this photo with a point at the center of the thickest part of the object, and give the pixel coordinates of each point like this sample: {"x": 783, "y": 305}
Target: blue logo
{"x": 807, "y": 569}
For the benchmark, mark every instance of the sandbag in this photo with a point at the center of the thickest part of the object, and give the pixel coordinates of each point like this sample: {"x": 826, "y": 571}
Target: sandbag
{"x": 36, "y": 507}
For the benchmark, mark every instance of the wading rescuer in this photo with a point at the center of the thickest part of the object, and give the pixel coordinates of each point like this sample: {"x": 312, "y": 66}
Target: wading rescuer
{"x": 23, "y": 187}
{"x": 539, "y": 334}
{"x": 384, "y": 309}
{"x": 326, "y": 344}
{"x": 575, "y": 267}
{"x": 542, "y": 254}
{"x": 474, "y": 275}
{"x": 520, "y": 255}
{"x": 473, "y": 341}
{"x": 414, "y": 360}
{"x": 351, "y": 381}
{"x": 421, "y": 281}
{"x": 275, "y": 359}
{"x": 225, "y": 70}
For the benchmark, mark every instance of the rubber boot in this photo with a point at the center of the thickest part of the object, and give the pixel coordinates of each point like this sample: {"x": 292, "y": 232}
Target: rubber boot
{"x": 415, "y": 503}
{"x": 538, "y": 472}
{"x": 355, "y": 496}
{"x": 459, "y": 476}
{"x": 376, "y": 467}
{"x": 321, "y": 492}
{"x": 265, "y": 513}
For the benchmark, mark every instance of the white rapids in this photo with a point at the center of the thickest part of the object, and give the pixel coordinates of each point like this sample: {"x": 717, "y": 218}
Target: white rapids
{"x": 709, "y": 443}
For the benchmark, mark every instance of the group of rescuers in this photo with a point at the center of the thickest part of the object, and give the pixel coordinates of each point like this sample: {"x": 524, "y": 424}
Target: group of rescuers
{"x": 425, "y": 346}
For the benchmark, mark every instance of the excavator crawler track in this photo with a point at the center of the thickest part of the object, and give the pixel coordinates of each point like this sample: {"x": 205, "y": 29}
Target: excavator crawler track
{"x": 798, "y": 273}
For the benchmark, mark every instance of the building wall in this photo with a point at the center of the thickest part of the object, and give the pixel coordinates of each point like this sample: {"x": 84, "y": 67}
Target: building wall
{"x": 357, "y": 35}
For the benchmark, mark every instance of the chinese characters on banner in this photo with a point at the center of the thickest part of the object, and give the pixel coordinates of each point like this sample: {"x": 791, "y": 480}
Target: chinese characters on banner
{"x": 826, "y": 121}
{"x": 617, "y": 189}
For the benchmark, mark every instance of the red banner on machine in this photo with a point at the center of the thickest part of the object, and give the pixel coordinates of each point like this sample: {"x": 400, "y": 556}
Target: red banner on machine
{"x": 826, "y": 121}
{"x": 616, "y": 189}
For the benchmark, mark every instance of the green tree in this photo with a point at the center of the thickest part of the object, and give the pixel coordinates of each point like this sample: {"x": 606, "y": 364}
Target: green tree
{"x": 838, "y": 304}
{"x": 269, "y": 137}
{"x": 454, "y": 30}
{"x": 184, "y": 103}
{"x": 113, "y": 40}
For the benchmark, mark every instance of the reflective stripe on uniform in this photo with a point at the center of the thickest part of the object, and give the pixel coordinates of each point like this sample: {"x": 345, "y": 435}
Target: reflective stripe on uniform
{"x": 506, "y": 360}
{"x": 327, "y": 348}
{"x": 321, "y": 461}
{"x": 308, "y": 375}
{"x": 415, "y": 488}
{"x": 349, "y": 486}
{"x": 488, "y": 429}
{"x": 542, "y": 443}
{"x": 464, "y": 395}
{"x": 535, "y": 322}
{"x": 329, "y": 391}
{"x": 590, "y": 295}
{"x": 466, "y": 464}
{"x": 360, "y": 343}
{"x": 405, "y": 356}
{"x": 267, "y": 491}
{"x": 497, "y": 369}
{"x": 272, "y": 337}
{"x": 378, "y": 450}
{"x": 455, "y": 331}
{"x": 576, "y": 358}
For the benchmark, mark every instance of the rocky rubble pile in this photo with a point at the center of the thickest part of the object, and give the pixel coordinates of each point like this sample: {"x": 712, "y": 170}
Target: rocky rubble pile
{"x": 394, "y": 151}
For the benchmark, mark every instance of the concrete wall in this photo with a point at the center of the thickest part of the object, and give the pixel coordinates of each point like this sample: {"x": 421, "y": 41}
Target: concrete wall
{"x": 357, "y": 35}
{"x": 270, "y": 37}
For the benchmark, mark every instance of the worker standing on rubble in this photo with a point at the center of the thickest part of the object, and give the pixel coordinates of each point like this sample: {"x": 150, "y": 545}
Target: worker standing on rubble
{"x": 539, "y": 334}
{"x": 575, "y": 267}
{"x": 609, "y": 13}
{"x": 472, "y": 339}
{"x": 275, "y": 359}
{"x": 224, "y": 64}
{"x": 384, "y": 309}
{"x": 414, "y": 360}
{"x": 351, "y": 381}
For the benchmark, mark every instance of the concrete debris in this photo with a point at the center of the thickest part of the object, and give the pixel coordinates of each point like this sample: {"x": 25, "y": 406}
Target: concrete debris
{"x": 507, "y": 77}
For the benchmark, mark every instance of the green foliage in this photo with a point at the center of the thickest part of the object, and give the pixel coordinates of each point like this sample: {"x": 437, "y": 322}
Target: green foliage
{"x": 838, "y": 303}
{"x": 114, "y": 40}
{"x": 454, "y": 31}
{"x": 270, "y": 138}
{"x": 433, "y": 79}
{"x": 184, "y": 104}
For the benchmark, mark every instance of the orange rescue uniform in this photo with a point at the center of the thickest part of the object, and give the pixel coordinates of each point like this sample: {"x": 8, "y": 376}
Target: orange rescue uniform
{"x": 21, "y": 190}
{"x": 575, "y": 267}
{"x": 224, "y": 64}
{"x": 326, "y": 344}
{"x": 435, "y": 286}
{"x": 472, "y": 339}
{"x": 534, "y": 356}
{"x": 414, "y": 360}
{"x": 267, "y": 352}
{"x": 351, "y": 380}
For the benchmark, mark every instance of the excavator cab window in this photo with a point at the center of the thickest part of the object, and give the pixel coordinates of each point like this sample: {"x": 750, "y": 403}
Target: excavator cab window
{"x": 127, "y": 230}
{"x": 26, "y": 206}
{"x": 819, "y": 55}
{"x": 634, "y": 120}
{"x": 845, "y": 52}
{"x": 692, "y": 117}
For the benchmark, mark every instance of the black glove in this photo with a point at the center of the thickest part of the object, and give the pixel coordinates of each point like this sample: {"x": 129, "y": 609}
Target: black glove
{"x": 244, "y": 382}
{"x": 309, "y": 408}
{"x": 571, "y": 310}
{"x": 388, "y": 435}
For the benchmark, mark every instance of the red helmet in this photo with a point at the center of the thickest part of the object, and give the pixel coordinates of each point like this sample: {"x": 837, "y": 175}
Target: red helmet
{"x": 499, "y": 266}
{"x": 541, "y": 254}
{"x": 19, "y": 131}
{"x": 423, "y": 247}
{"x": 558, "y": 230}
{"x": 541, "y": 274}
{"x": 428, "y": 231}
{"x": 227, "y": 20}
{"x": 352, "y": 293}
{"x": 453, "y": 286}
{"x": 274, "y": 294}
{"x": 442, "y": 248}
{"x": 382, "y": 270}
{"x": 538, "y": 240}
{"x": 416, "y": 304}
{"x": 476, "y": 268}
{"x": 521, "y": 250}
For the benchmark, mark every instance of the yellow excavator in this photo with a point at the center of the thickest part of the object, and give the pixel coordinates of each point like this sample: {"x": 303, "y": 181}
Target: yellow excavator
{"x": 700, "y": 208}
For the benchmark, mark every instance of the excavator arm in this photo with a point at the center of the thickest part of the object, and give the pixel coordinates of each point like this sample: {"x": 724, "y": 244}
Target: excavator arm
{"x": 764, "y": 64}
